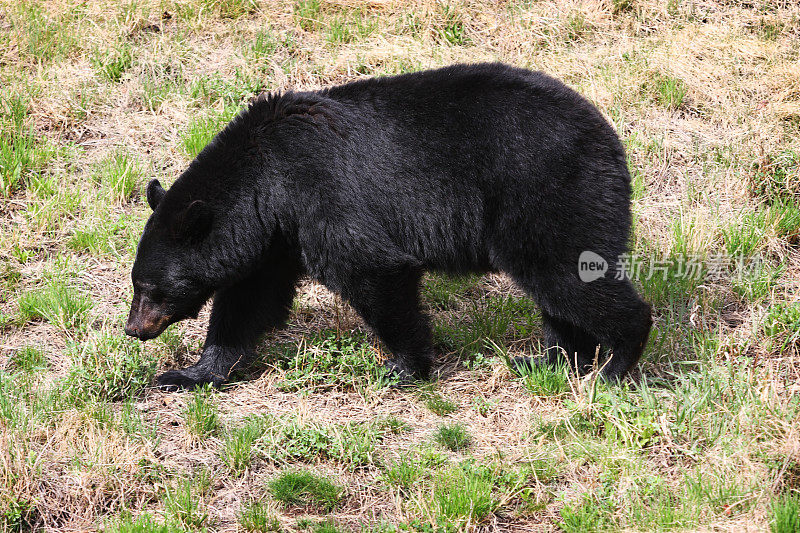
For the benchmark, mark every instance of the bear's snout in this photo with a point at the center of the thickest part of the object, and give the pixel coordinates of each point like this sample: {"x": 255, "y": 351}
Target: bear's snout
{"x": 145, "y": 321}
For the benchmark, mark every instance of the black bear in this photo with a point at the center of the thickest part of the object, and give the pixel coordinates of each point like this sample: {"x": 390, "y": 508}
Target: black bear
{"x": 364, "y": 186}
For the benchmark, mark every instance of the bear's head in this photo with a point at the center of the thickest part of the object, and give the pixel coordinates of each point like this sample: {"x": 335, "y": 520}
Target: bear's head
{"x": 169, "y": 282}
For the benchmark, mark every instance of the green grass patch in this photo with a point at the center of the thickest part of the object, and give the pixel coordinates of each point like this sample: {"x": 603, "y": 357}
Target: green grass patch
{"x": 437, "y": 403}
{"x": 112, "y": 64}
{"x": 258, "y": 517}
{"x": 184, "y": 505}
{"x": 719, "y": 493}
{"x": 42, "y": 36}
{"x": 670, "y": 92}
{"x": 106, "y": 234}
{"x": 576, "y": 26}
{"x": 669, "y": 280}
{"x": 461, "y": 496}
{"x": 107, "y": 367}
{"x": 28, "y": 359}
{"x": 160, "y": 82}
{"x": 746, "y": 236}
{"x": 202, "y": 130}
{"x": 24, "y": 156}
{"x": 492, "y": 321}
{"x": 442, "y": 292}
{"x": 351, "y": 26}
{"x": 785, "y": 513}
{"x": 119, "y": 176}
{"x": 229, "y": 9}
{"x": 782, "y": 327}
{"x": 238, "y": 446}
{"x": 454, "y": 437}
{"x": 331, "y": 361}
{"x": 16, "y": 514}
{"x": 451, "y": 29}
{"x": 202, "y": 413}
{"x": 58, "y": 303}
{"x": 577, "y": 424}
{"x": 786, "y": 214}
{"x": 351, "y": 444}
{"x": 304, "y": 488}
{"x": 775, "y": 176}
{"x": 282, "y": 440}
{"x": 544, "y": 379}
{"x": 144, "y": 523}
{"x": 590, "y": 513}
{"x": 264, "y": 45}
{"x": 307, "y": 14}
{"x": 404, "y": 473}
{"x": 216, "y": 91}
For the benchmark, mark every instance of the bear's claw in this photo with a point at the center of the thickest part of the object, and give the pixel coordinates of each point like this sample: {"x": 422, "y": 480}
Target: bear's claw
{"x": 186, "y": 379}
{"x": 402, "y": 372}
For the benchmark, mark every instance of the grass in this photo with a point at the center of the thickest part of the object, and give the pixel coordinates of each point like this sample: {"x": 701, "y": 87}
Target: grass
{"x": 304, "y": 488}
{"x": 785, "y": 512}
{"x": 590, "y": 514}
{"x": 24, "y": 155}
{"x": 287, "y": 439}
{"x": 353, "y": 444}
{"x": 237, "y": 451}
{"x": 184, "y": 507}
{"x": 112, "y": 64}
{"x": 544, "y": 380}
{"x": 670, "y": 92}
{"x": 201, "y": 413}
{"x": 97, "y": 99}
{"x": 200, "y": 131}
{"x": 459, "y": 496}
{"x": 491, "y": 322}
{"x": 454, "y": 437}
{"x": 28, "y": 359}
{"x": 143, "y": 523}
{"x": 107, "y": 367}
{"x": 256, "y": 516}
{"x": 58, "y": 303}
{"x": 782, "y": 327}
{"x": 437, "y": 403}
{"x": 404, "y": 473}
{"x": 119, "y": 176}
{"x": 331, "y": 361}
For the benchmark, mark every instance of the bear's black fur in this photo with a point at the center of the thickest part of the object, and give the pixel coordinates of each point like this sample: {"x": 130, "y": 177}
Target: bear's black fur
{"x": 364, "y": 186}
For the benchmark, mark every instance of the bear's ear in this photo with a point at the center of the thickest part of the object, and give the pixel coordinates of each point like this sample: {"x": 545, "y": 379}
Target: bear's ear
{"x": 194, "y": 222}
{"x": 155, "y": 192}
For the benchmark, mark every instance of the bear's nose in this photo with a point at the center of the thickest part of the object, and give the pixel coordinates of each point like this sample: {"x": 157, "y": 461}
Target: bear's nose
{"x": 133, "y": 331}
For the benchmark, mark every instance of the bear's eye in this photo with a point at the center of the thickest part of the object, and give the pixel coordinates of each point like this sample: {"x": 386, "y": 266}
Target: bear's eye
{"x": 156, "y": 295}
{"x": 150, "y": 291}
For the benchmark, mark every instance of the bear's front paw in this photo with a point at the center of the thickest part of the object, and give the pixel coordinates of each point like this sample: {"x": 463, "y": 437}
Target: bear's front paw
{"x": 404, "y": 374}
{"x": 186, "y": 379}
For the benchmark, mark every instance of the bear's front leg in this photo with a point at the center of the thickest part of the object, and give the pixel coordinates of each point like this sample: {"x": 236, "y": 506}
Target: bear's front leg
{"x": 388, "y": 301}
{"x": 240, "y": 314}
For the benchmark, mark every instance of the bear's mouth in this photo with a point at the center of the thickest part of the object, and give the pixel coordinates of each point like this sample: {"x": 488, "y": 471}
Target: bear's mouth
{"x": 146, "y": 320}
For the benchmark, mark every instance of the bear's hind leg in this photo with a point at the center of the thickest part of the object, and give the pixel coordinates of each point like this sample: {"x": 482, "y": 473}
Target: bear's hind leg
{"x": 389, "y": 304}
{"x": 240, "y": 314}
